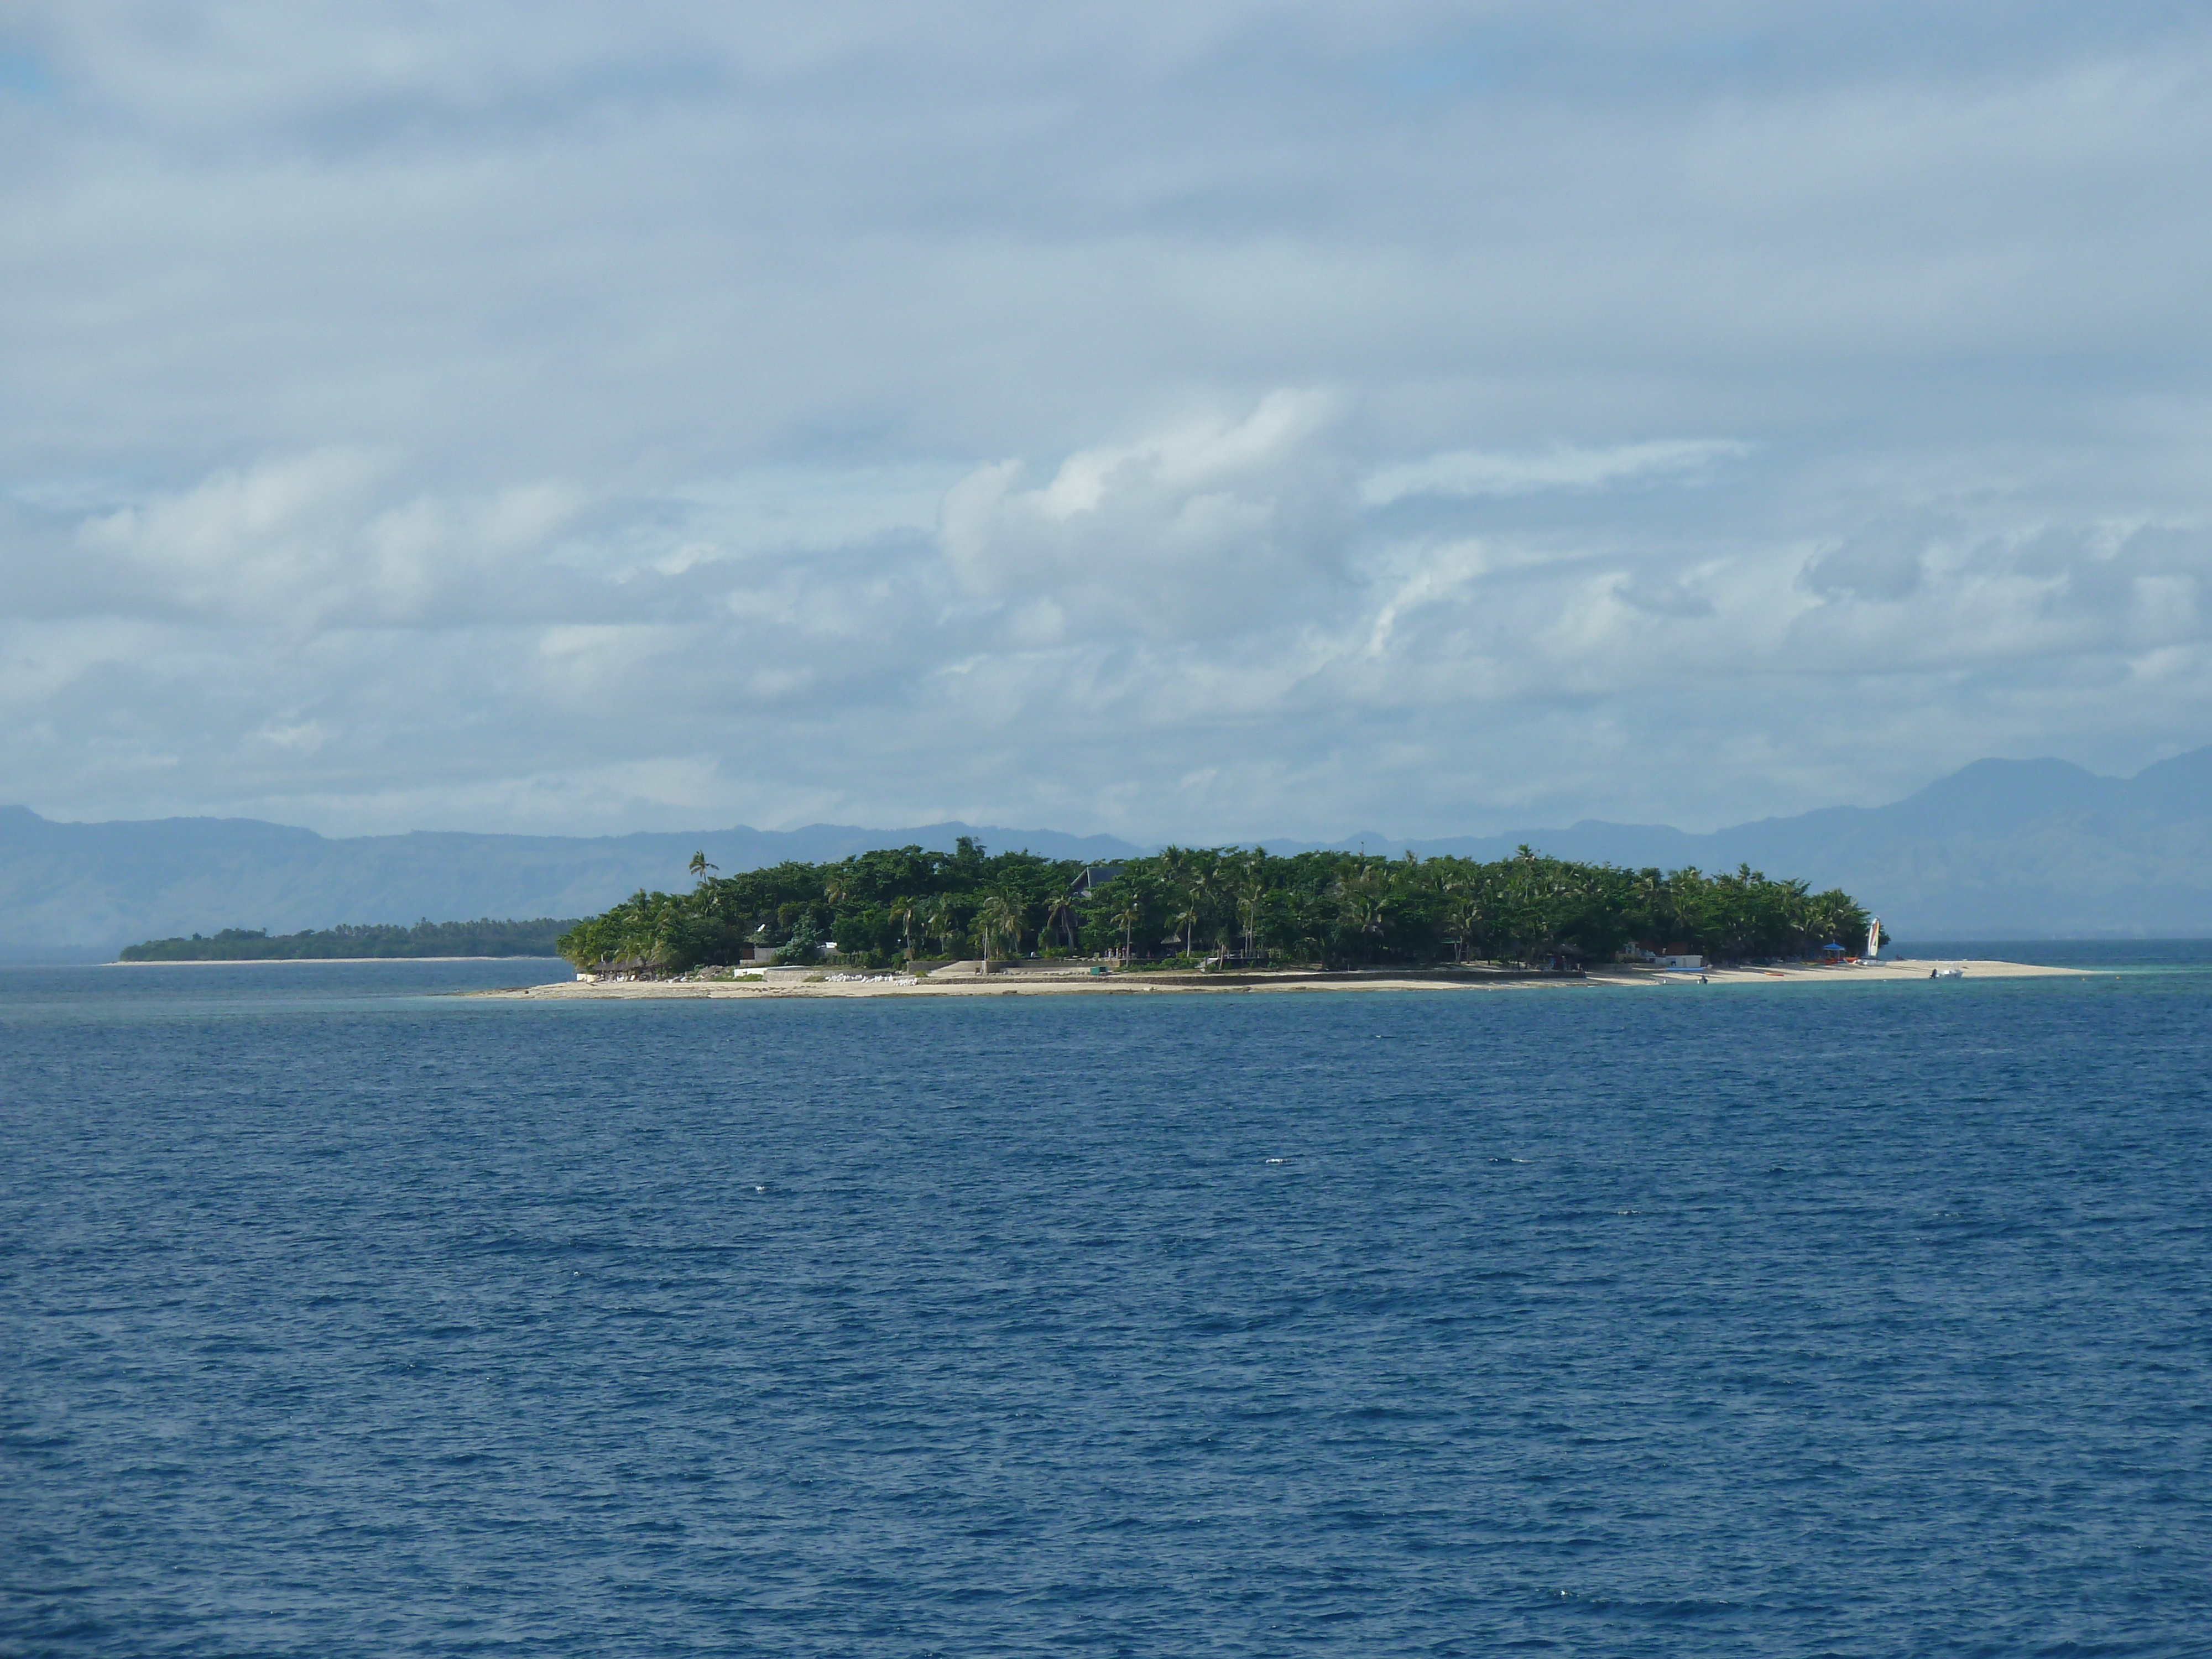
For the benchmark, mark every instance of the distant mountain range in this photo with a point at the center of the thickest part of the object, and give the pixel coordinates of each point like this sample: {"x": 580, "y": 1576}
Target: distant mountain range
{"x": 79, "y": 892}
{"x": 1999, "y": 849}
{"x": 2018, "y": 849}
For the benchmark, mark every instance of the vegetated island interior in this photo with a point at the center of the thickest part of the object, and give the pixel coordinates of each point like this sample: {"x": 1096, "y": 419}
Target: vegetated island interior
{"x": 1200, "y": 908}
{"x": 485, "y": 938}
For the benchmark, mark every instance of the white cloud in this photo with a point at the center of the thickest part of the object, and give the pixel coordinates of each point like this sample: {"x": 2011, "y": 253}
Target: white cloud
{"x": 322, "y": 539}
{"x": 510, "y": 414}
{"x": 1206, "y": 527}
{"x": 1478, "y": 472}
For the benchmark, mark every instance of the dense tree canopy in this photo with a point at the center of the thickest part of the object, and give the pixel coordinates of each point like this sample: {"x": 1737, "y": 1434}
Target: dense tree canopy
{"x": 1237, "y": 903}
{"x": 485, "y": 938}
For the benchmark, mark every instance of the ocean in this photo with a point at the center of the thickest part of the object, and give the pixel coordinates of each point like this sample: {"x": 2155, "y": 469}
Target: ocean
{"x": 339, "y": 1316}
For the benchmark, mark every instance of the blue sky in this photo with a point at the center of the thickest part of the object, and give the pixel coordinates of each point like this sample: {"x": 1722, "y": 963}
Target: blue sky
{"x": 1181, "y": 420}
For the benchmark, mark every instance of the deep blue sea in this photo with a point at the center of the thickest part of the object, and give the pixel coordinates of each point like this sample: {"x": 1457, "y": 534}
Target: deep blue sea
{"x": 341, "y": 1317}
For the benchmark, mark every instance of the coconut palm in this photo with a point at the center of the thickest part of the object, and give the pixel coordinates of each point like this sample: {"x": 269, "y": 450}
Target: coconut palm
{"x": 1364, "y": 897}
{"x": 1002, "y": 918}
{"x": 1186, "y": 914}
{"x": 1309, "y": 927}
{"x": 1253, "y": 897}
{"x": 1463, "y": 918}
{"x": 1172, "y": 864}
{"x": 1128, "y": 910}
{"x": 908, "y": 913}
{"x": 1060, "y": 913}
{"x": 1205, "y": 883}
{"x": 943, "y": 919}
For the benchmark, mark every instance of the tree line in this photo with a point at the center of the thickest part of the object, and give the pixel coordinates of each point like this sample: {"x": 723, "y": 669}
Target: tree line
{"x": 485, "y": 938}
{"x": 1237, "y": 905}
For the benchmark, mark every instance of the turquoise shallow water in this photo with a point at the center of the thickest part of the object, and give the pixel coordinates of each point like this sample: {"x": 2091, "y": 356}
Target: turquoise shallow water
{"x": 340, "y": 1317}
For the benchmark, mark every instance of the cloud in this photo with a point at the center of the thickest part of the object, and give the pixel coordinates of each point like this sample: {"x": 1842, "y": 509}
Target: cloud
{"x": 1185, "y": 421}
{"x": 1207, "y": 527}
{"x": 1883, "y": 561}
{"x": 317, "y": 540}
{"x": 1476, "y": 472}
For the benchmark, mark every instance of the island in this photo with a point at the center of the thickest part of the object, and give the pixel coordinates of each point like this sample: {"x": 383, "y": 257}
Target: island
{"x": 354, "y": 942}
{"x": 910, "y": 921}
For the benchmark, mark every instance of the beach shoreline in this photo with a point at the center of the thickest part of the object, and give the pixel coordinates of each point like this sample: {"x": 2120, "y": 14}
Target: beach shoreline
{"x": 1040, "y": 980}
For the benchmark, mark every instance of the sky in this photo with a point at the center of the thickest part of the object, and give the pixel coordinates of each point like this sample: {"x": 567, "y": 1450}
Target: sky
{"x": 1193, "y": 420}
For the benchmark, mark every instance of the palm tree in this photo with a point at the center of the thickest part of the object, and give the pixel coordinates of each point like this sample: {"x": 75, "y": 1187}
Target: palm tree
{"x": 1365, "y": 898}
{"x": 1125, "y": 916}
{"x": 943, "y": 919}
{"x": 1308, "y": 927}
{"x": 1001, "y": 916}
{"x": 699, "y": 867}
{"x": 1252, "y": 901}
{"x": 1058, "y": 913}
{"x": 908, "y": 913}
{"x": 1170, "y": 864}
{"x": 1186, "y": 914}
{"x": 1462, "y": 923}
{"x": 1205, "y": 882}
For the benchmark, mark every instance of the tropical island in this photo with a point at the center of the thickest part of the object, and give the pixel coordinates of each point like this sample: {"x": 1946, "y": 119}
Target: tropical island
{"x": 1212, "y": 909}
{"x": 358, "y": 942}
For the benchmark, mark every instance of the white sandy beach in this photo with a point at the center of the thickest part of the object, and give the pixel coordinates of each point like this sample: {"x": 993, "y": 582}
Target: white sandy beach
{"x": 1057, "y": 980}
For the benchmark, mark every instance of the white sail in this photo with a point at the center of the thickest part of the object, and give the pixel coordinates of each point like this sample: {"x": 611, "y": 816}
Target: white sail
{"x": 1873, "y": 938}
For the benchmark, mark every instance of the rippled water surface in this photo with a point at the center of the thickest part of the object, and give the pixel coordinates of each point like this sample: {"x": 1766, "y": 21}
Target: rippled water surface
{"x": 337, "y": 1317}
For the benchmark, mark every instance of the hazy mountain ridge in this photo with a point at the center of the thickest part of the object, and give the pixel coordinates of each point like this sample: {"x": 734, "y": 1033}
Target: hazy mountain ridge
{"x": 2022, "y": 848}
{"x": 81, "y": 891}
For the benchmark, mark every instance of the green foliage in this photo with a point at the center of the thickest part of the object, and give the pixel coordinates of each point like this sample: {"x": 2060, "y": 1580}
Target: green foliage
{"x": 486, "y": 937}
{"x": 805, "y": 944}
{"x": 1336, "y": 909}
